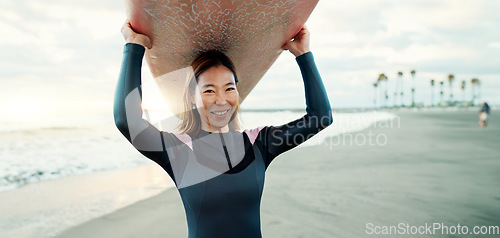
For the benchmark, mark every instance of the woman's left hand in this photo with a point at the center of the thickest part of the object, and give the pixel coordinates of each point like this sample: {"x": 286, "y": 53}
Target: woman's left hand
{"x": 300, "y": 43}
{"x": 131, "y": 36}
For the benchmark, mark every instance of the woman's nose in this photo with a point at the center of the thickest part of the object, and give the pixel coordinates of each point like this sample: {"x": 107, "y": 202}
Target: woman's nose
{"x": 220, "y": 99}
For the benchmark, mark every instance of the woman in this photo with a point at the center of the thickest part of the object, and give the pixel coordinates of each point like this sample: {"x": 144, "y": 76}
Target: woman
{"x": 218, "y": 170}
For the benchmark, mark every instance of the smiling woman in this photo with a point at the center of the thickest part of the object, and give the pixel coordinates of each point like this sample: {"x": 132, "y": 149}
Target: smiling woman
{"x": 212, "y": 91}
{"x": 218, "y": 169}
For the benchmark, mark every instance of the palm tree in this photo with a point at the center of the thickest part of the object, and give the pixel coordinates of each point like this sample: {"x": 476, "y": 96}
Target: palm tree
{"x": 401, "y": 93}
{"x": 441, "y": 93}
{"x": 474, "y": 82}
{"x": 380, "y": 88}
{"x": 432, "y": 93}
{"x": 463, "y": 90}
{"x": 375, "y": 85}
{"x": 399, "y": 80}
{"x": 413, "y": 72}
{"x": 478, "y": 91}
{"x": 451, "y": 78}
{"x": 383, "y": 78}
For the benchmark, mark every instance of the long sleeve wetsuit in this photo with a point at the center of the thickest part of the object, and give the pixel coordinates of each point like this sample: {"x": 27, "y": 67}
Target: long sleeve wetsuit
{"x": 218, "y": 203}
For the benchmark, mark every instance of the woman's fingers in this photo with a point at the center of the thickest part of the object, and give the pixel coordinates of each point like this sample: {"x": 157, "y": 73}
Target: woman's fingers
{"x": 285, "y": 46}
{"x": 302, "y": 34}
{"x": 146, "y": 42}
{"x": 131, "y": 36}
{"x": 299, "y": 43}
{"x": 127, "y": 31}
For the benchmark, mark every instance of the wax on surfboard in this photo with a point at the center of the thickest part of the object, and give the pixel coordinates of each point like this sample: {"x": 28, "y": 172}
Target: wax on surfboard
{"x": 250, "y": 32}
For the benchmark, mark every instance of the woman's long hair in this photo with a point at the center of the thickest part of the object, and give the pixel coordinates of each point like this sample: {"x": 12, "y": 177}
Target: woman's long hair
{"x": 190, "y": 118}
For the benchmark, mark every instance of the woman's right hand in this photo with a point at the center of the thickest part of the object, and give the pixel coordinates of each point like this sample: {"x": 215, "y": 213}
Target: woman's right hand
{"x": 300, "y": 43}
{"x": 131, "y": 36}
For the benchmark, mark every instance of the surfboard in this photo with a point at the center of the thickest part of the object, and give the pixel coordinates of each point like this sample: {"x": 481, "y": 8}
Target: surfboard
{"x": 250, "y": 32}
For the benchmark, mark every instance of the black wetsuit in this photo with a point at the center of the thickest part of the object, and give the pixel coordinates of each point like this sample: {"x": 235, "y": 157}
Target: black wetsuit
{"x": 218, "y": 203}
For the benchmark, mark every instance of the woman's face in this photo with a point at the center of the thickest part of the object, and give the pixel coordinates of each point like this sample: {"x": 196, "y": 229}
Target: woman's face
{"x": 216, "y": 98}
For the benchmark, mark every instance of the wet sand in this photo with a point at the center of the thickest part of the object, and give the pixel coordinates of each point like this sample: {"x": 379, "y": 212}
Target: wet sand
{"x": 426, "y": 167}
{"x": 46, "y": 208}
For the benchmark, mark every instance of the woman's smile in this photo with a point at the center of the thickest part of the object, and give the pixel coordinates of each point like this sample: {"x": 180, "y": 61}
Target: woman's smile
{"x": 221, "y": 114}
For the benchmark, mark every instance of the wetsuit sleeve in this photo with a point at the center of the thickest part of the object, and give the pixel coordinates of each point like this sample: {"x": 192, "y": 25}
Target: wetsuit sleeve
{"x": 318, "y": 113}
{"x": 128, "y": 111}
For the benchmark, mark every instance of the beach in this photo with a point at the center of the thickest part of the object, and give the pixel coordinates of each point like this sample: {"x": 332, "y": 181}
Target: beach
{"x": 425, "y": 167}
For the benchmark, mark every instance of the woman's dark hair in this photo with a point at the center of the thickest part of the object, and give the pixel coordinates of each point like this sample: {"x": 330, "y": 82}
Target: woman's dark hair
{"x": 209, "y": 59}
{"x": 190, "y": 118}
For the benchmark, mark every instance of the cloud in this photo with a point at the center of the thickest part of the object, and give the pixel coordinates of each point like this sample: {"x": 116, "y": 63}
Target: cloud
{"x": 358, "y": 40}
{"x": 57, "y": 45}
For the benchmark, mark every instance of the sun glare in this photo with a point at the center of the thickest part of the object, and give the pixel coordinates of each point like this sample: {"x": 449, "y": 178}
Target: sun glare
{"x": 23, "y": 107}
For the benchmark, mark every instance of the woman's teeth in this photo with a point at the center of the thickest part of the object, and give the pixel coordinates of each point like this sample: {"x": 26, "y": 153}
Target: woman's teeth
{"x": 221, "y": 113}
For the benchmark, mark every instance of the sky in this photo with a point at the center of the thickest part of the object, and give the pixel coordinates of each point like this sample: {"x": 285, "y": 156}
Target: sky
{"x": 62, "y": 57}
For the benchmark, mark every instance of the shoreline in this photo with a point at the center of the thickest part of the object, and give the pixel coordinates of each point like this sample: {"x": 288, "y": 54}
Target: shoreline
{"x": 46, "y": 208}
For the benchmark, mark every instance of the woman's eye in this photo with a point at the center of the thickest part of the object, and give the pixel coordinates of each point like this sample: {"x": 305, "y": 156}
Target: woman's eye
{"x": 230, "y": 89}
{"x": 208, "y": 91}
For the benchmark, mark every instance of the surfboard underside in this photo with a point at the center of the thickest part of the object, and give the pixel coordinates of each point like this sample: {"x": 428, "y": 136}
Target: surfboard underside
{"x": 250, "y": 32}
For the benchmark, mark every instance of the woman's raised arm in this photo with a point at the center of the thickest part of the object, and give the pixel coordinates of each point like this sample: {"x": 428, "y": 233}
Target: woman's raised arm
{"x": 319, "y": 113}
{"x": 128, "y": 98}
